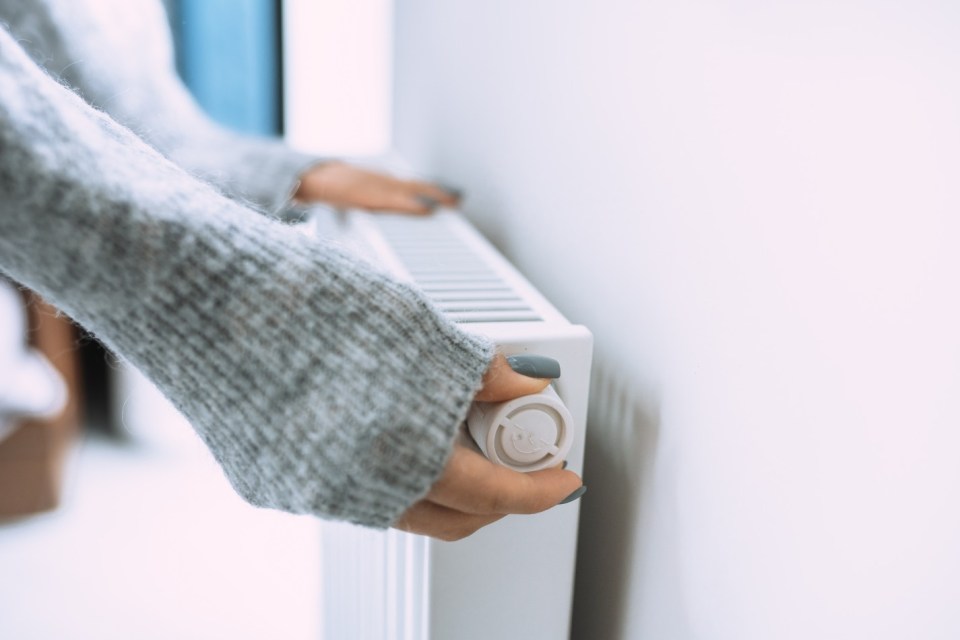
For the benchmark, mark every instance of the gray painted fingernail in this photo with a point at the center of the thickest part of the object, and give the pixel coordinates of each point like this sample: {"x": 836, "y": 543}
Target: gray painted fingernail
{"x": 575, "y": 495}
{"x": 564, "y": 465}
{"x": 453, "y": 192}
{"x": 428, "y": 202}
{"x": 534, "y": 366}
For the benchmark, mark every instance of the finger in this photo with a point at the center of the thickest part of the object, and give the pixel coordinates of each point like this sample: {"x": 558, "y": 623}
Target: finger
{"x": 444, "y": 195}
{"x": 437, "y": 521}
{"x": 385, "y": 193}
{"x": 472, "y": 484}
{"x": 399, "y": 196}
{"x": 502, "y": 383}
{"x": 344, "y": 185}
{"x": 422, "y": 197}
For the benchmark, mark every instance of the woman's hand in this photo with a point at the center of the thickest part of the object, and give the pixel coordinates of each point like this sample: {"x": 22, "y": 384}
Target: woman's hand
{"x": 343, "y": 185}
{"x": 474, "y": 492}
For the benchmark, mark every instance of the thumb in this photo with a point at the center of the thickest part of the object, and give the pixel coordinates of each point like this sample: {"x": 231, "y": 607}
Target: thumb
{"x": 515, "y": 376}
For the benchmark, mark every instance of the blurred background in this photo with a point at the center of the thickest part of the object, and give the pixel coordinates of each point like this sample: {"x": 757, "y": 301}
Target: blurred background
{"x": 751, "y": 204}
{"x": 117, "y": 522}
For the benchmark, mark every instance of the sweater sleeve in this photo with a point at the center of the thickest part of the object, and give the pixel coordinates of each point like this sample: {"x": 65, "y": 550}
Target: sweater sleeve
{"x": 118, "y": 55}
{"x": 320, "y": 385}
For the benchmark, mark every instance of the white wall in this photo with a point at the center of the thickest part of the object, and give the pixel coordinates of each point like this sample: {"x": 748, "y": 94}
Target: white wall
{"x": 336, "y": 68}
{"x": 754, "y": 205}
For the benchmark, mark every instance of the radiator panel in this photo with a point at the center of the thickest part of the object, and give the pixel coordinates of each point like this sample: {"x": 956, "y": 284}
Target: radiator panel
{"x": 512, "y": 579}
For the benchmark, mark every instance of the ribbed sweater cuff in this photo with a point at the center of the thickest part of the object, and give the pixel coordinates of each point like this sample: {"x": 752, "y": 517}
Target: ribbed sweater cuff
{"x": 261, "y": 172}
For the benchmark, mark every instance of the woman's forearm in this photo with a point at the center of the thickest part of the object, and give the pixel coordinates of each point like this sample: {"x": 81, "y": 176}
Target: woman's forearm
{"x": 320, "y": 385}
{"x": 118, "y": 55}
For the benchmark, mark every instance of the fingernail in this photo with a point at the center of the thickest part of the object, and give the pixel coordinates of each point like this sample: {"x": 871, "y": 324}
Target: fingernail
{"x": 453, "y": 192}
{"x": 534, "y": 366}
{"x": 575, "y": 495}
{"x": 564, "y": 465}
{"x": 428, "y": 202}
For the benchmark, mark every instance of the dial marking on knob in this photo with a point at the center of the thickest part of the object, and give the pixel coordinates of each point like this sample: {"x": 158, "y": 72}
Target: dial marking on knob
{"x": 549, "y": 446}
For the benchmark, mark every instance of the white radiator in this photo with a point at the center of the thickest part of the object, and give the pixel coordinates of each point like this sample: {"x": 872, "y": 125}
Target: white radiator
{"x": 512, "y": 579}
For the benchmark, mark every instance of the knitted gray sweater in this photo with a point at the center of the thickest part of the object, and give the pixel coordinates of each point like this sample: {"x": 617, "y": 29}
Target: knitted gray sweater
{"x": 118, "y": 55}
{"x": 320, "y": 385}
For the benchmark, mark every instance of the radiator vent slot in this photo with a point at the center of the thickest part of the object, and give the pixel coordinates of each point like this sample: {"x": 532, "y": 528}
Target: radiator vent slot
{"x": 452, "y": 274}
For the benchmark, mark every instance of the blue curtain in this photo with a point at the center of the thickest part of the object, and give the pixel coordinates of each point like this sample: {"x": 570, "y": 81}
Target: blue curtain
{"x": 228, "y": 53}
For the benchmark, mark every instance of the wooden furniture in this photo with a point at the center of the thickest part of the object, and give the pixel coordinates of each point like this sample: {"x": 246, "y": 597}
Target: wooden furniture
{"x": 33, "y": 457}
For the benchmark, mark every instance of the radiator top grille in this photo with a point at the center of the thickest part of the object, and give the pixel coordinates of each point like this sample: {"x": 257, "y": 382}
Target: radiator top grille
{"x": 464, "y": 285}
{"x": 462, "y": 273}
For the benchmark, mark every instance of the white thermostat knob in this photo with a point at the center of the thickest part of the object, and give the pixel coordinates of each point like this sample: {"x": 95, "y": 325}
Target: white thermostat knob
{"x": 526, "y": 434}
